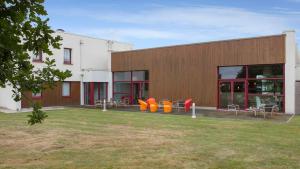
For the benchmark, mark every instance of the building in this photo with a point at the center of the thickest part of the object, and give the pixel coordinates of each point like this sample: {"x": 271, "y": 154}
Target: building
{"x": 89, "y": 60}
{"x": 246, "y": 72}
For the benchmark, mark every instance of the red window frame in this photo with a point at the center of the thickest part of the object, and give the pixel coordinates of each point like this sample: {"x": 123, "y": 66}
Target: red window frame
{"x": 130, "y": 93}
{"x": 62, "y": 89}
{"x": 247, "y": 84}
{"x": 68, "y": 62}
{"x": 90, "y": 86}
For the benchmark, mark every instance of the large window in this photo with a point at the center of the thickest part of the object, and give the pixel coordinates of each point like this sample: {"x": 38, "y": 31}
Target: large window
{"x": 67, "y": 56}
{"x": 66, "y": 89}
{"x": 131, "y": 85}
{"x": 251, "y": 85}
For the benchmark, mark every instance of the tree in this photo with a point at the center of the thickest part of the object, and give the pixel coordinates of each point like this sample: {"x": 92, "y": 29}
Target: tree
{"x": 24, "y": 31}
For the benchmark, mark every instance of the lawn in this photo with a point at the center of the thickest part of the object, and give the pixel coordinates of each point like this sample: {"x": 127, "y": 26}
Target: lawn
{"x": 89, "y": 138}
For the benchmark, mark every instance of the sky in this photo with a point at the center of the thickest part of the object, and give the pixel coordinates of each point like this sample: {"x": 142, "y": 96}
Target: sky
{"x": 155, "y": 23}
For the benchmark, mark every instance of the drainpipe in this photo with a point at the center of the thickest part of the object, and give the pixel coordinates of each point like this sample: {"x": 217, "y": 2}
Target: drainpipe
{"x": 110, "y": 81}
{"x": 81, "y": 74}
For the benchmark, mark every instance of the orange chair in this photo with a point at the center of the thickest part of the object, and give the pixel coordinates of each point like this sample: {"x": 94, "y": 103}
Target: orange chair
{"x": 143, "y": 105}
{"x": 153, "y": 107}
{"x": 167, "y": 106}
{"x": 151, "y": 100}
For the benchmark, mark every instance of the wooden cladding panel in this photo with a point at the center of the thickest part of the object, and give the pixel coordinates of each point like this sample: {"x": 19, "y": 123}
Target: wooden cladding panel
{"x": 53, "y": 97}
{"x": 190, "y": 71}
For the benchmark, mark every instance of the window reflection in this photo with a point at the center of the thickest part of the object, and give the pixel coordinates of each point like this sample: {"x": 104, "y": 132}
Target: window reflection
{"x": 234, "y": 72}
{"x": 265, "y": 71}
{"x": 122, "y": 76}
{"x": 264, "y": 85}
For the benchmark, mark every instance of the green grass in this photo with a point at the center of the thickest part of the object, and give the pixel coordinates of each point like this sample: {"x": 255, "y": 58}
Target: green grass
{"x": 89, "y": 138}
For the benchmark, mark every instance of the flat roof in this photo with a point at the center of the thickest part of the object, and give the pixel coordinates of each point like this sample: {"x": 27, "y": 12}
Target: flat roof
{"x": 200, "y": 43}
{"x": 87, "y": 36}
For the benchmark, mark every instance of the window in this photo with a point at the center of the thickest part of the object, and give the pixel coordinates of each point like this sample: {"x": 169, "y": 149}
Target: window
{"x": 265, "y": 71}
{"x": 37, "y": 95}
{"x": 233, "y": 72}
{"x": 66, "y": 89}
{"x": 140, "y": 75}
{"x": 132, "y": 85}
{"x": 94, "y": 91}
{"x": 122, "y": 76}
{"x": 38, "y": 57}
{"x": 122, "y": 87}
{"x": 67, "y": 55}
{"x": 103, "y": 90}
{"x": 252, "y": 85}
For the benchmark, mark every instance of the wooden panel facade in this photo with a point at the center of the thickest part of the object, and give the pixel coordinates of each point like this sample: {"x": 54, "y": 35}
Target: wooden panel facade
{"x": 190, "y": 71}
{"x": 53, "y": 97}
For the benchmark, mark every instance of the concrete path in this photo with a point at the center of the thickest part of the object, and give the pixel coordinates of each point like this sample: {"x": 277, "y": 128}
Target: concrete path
{"x": 4, "y": 110}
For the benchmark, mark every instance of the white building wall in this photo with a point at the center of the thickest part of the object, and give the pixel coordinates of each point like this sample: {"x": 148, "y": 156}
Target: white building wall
{"x": 91, "y": 62}
{"x": 298, "y": 65}
{"x": 290, "y": 71}
{"x": 6, "y": 100}
{"x": 91, "y": 59}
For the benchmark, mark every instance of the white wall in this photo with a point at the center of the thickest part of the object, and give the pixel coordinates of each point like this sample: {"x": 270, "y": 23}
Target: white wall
{"x": 6, "y": 100}
{"x": 290, "y": 71}
{"x": 298, "y": 65}
{"x": 91, "y": 62}
{"x": 88, "y": 54}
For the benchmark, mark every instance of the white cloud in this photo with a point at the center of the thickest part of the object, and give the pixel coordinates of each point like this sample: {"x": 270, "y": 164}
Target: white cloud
{"x": 123, "y": 33}
{"x": 192, "y": 23}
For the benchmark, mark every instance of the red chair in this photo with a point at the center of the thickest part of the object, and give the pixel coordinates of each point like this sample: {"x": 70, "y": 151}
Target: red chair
{"x": 187, "y": 105}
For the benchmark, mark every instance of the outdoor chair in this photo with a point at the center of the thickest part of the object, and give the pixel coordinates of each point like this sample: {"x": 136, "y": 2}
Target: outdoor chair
{"x": 143, "y": 105}
{"x": 99, "y": 103}
{"x": 123, "y": 102}
{"x": 274, "y": 108}
{"x": 233, "y": 107}
{"x": 112, "y": 103}
{"x": 151, "y": 100}
{"x": 167, "y": 106}
{"x": 152, "y": 105}
{"x": 178, "y": 104}
{"x": 187, "y": 105}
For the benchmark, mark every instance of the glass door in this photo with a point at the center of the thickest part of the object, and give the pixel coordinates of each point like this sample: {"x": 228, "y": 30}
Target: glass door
{"x": 136, "y": 92}
{"x": 139, "y": 91}
{"x": 239, "y": 93}
{"x": 232, "y": 92}
{"x": 225, "y": 97}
